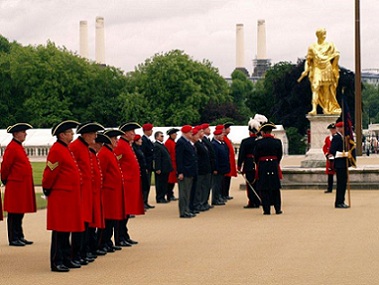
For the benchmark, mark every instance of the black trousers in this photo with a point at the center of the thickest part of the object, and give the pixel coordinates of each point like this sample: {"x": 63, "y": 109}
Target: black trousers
{"x": 146, "y": 183}
{"x": 161, "y": 182}
{"x": 330, "y": 182}
{"x": 225, "y": 186}
{"x": 121, "y": 231}
{"x": 271, "y": 197}
{"x": 79, "y": 241}
{"x": 60, "y": 250}
{"x": 341, "y": 185}
{"x": 253, "y": 199}
{"x": 170, "y": 190}
{"x": 14, "y": 223}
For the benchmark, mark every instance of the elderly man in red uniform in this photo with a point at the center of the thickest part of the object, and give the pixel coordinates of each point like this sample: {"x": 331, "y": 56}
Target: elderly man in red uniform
{"x": 329, "y": 163}
{"x": 113, "y": 203}
{"x": 17, "y": 176}
{"x": 232, "y": 160}
{"x": 170, "y": 145}
{"x": 82, "y": 154}
{"x": 61, "y": 184}
{"x": 133, "y": 199}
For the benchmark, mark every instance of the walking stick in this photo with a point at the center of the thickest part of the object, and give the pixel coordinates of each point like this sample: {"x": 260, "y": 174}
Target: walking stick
{"x": 251, "y": 187}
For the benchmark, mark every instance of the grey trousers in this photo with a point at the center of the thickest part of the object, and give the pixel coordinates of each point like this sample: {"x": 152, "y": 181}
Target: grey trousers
{"x": 216, "y": 187}
{"x": 185, "y": 186}
{"x": 202, "y": 190}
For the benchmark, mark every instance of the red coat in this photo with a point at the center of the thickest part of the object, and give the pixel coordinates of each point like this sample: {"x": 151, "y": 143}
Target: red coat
{"x": 113, "y": 201}
{"x": 82, "y": 156}
{"x": 325, "y": 149}
{"x": 132, "y": 182}
{"x": 232, "y": 158}
{"x": 97, "y": 185}
{"x": 170, "y": 145}
{"x": 16, "y": 171}
{"x": 62, "y": 177}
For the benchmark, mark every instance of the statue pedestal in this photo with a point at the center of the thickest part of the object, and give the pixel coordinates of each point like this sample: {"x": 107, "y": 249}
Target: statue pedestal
{"x": 315, "y": 156}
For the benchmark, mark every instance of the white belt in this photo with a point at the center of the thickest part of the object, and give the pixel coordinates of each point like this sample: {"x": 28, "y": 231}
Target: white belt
{"x": 340, "y": 154}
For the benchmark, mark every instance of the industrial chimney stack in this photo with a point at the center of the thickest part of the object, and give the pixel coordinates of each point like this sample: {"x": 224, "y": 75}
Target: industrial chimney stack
{"x": 83, "y": 39}
{"x": 100, "y": 41}
{"x": 240, "y": 49}
{"x": 261, "y": 63}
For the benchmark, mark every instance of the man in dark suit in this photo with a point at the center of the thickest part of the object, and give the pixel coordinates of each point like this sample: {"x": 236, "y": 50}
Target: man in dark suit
{"x": 148, "y": 150}
{"x": 162, "y": 167}
{"x": 245, "y": 163}
{"x": 222, "y": 165}
{"x": 186, "y": 164}
{"x": 337, "y": 152}
{"x": 267, "y": 155}
{"x": 208, "y": 143}
{"x": 204, "y": 173}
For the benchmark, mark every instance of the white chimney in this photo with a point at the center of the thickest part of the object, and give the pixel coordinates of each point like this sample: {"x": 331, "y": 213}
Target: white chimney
{"x": 240, "y": 47}
{"x": 261, "y": 48}
{"x": 83, "y": 39}
{"x": 100, "y": 41}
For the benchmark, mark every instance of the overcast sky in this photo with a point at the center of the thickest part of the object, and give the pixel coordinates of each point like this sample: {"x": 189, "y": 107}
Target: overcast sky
{"x": 137, "y": 29}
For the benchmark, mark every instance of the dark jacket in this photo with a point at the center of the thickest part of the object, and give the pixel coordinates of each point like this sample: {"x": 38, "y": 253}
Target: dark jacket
{"x": 162, "y": 160}
{"x": 222, "y": 164}
{"x": 337, "y": 145}
{"x": 203, "y": 158}
{"x": 209, "y": 145}
{"x": 246, "y": 155}
{"x": 186, "y": 158}
{"x": 267, "y": 154}
{"x": 148, "y": 150}
{"x": 140, "y": 157}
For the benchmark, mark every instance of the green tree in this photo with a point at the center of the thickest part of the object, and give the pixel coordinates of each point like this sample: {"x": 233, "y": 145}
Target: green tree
{"x": 370, "y": 98}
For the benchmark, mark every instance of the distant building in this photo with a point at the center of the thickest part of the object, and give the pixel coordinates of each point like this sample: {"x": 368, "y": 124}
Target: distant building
{"x": 370, "y": 76}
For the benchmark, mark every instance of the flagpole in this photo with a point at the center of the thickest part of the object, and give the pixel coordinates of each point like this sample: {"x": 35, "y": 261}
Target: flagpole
{"x": 344, "y": 147}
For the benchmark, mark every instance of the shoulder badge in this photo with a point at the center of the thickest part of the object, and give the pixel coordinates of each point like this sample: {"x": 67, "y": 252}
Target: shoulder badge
{"x": 52, "y": 166}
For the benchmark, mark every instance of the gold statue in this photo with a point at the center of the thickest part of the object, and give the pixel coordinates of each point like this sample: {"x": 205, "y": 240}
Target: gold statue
{"x": 321, "y": 66}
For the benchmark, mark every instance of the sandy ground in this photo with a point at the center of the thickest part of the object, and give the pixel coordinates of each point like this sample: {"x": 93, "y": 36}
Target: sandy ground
{"x": 311, "y": 243}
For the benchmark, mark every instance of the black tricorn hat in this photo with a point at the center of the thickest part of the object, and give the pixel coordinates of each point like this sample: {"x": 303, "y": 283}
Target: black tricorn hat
{"x": 102, "y": 138}
{"x": 63, "y": 126}
{"x": 113, "y": 133}
{"x": 228, "y": 124}
{"x": 267, "y": 126}
{"x": 172, "y": 131}
{"x": 89, "y": 127}
{"x": 129, "y": 126}
{"x": 331, "y": 126}
{"x": 19, "y": 127}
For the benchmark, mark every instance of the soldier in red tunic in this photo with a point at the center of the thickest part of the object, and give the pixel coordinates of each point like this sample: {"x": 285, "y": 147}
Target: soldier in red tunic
{"x": 232, "y": 162}
{"x": 329, "y": 163}
{"x": 17, "y": 176}
{"x": 133, "y": 199}
{"x": 82, "y": 154}
{"x": 61, "y": 184}
{"x": 113, "y": 202}
{"x": 170, "y": 145}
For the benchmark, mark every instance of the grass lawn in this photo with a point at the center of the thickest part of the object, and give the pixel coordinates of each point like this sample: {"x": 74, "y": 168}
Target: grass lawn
{"x": 38, "y": 168}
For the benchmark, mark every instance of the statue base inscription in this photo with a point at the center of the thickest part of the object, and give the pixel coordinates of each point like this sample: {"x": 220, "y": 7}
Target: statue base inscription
{"x": 315, "y": 157}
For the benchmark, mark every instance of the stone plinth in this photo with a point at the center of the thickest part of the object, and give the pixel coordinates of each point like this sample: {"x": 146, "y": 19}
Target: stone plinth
{"x": 315, "y": 156}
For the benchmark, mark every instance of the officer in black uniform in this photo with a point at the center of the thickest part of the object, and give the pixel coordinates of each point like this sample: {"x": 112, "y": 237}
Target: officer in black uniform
{"x": 336, "y": 151}
{"x": 245, "y": 163}
{"x": 267, "y": 155}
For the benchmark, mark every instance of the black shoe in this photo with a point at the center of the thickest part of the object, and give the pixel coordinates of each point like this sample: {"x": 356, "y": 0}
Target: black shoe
{"x": 172, "y": 198}
{"x": 342, "y": 206}
{"x": 88, "y": 259}
{"x": 60, "y": 268}
{"x": 110, "y": 249}
{"x": 100, "y": 252}
{"x": 16, "y": 243}
{"x": 279, "y": 212}
{"x": 187, "y": 216}
{"x": 266, "y": 213}
{"x": 249, "y": 207}
{"x": 327, "y": 191}
{"x": 131, "y": 241}
{"x": 229, "y": 197}
{"x": 91, "y": 255}
{"x": 115, "y": 247}
{"x": 195, "y": 212}
{"x": 83, "y": 261}
{"x": 162, "y": 201}
{"x": 218, "y": 203}
{"x": 27, "y": 242}
{"x": 149, "y": 206}
{"x": 123, "y": 243}
{"x": 72, "y": 264}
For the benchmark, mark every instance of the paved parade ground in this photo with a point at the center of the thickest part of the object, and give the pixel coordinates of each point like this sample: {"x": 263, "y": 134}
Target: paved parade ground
{"x": 310, "y": 243}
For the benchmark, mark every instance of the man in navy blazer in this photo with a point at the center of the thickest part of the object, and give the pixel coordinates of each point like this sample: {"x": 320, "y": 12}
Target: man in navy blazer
{"x": 186, "y": 167}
